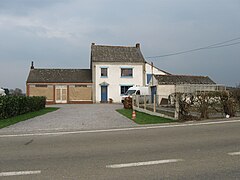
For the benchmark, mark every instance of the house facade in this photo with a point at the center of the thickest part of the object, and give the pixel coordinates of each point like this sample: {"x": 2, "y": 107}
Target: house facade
{"x": 117, "y": 68}
{"x": 113, "y": 70}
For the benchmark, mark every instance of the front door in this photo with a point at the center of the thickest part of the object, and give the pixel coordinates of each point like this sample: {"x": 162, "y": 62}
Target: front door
{"x": 104, "y": 94}
{"x": 153, "y": 92}
{"x": 61, "y": 94}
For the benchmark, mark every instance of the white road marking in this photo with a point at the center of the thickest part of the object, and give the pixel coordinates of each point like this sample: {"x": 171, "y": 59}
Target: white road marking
{"x": 121, "y": 129}
{"x": 147, "y": 163}
{"x": 234, "y": 153}
{"x": 18, "y": 173}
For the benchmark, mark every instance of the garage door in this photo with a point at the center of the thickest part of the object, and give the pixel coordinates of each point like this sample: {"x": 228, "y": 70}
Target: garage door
{"x": 80, "y": 93}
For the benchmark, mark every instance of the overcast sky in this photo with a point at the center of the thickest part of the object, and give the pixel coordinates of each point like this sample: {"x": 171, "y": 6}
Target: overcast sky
{"x": 59, "y": 33}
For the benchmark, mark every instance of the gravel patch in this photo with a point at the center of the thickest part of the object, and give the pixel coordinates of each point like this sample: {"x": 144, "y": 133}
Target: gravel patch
{"x": 74, "y": 117}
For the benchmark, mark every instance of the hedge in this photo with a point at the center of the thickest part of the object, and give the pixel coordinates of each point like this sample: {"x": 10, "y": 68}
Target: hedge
{"x": 15, "y": 105}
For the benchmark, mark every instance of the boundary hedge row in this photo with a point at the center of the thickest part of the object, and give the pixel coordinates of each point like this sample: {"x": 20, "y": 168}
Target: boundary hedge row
{"x": 11, "y": 106}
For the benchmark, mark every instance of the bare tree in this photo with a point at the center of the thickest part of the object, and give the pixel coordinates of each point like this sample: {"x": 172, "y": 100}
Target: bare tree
{"x": 238, "y": 85}
{"x": 16, "y": 92}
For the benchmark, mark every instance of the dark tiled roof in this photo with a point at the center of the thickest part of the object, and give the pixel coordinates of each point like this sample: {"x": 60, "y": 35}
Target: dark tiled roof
{"x": 183, "y": 79}
{"x": 100, "y": 53}
{"x": 60, "y": 76}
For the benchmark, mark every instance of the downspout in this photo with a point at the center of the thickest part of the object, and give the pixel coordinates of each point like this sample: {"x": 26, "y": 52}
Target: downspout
{"x": 152, "y": 71}
{"x": 144, "y": 74}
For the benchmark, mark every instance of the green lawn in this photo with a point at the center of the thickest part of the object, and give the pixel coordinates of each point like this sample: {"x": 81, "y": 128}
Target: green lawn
{"x": 23, "y": 117}
{"x": 143, "y": 118}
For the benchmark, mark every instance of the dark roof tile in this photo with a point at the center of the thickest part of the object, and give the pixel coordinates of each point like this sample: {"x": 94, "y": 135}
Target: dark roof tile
{"x": 100, "y": 53}
{"x": 183, "y": 79}
{"x": 60, "y": 76}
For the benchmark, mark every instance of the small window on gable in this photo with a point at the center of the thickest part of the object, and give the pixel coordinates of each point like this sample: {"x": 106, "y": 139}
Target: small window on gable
{"x": 41, "y": 85}
{"x": 78, "y": 86}
{"x": 104, "y": 72}
{"x": 126, "y": 72}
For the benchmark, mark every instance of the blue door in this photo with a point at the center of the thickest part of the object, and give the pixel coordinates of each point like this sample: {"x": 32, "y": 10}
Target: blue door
{"x": 153, "y": 91}
{"x": 104, "y": 94}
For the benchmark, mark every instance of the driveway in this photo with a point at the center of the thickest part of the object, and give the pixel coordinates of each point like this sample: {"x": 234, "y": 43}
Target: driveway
{"x": 74, "y": 117}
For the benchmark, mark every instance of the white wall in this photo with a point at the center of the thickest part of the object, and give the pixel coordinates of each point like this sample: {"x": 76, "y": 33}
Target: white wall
{"x": 115, "y": 80}
{"x": 148, "y": 69}
{"x": 163, "y": 91}
{"x": 155, "y": 70}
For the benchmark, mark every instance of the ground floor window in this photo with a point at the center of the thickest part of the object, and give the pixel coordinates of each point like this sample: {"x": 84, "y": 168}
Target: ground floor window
{"x": 123, "y": 89}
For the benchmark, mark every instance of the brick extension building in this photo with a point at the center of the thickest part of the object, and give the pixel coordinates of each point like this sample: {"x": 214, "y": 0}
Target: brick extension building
{"x": 61, "y": 85}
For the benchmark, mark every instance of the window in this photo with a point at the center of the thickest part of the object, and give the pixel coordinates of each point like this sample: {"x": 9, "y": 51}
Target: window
{"x": 103, "y": 72}
{"x": 124, "y": 89}
{"x": 126, "y": 72}
{"x": 80, "y": 86}
{"x": 138, "y": 92}
{"x": 41, "y": 85}
{"x": 149, "y": 76}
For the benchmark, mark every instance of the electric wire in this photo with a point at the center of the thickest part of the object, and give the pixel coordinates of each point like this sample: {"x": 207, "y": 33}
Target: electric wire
{"x": 212, "y": 46}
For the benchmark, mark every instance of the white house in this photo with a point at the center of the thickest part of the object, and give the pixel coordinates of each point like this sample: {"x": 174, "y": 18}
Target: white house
{"x": 117, "y": 68}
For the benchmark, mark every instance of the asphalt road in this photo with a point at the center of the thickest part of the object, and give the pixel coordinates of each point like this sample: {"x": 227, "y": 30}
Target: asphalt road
{"x": 182, "y": 152}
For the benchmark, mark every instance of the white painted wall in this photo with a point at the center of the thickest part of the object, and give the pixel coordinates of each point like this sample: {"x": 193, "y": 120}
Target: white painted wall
{"x": 115, "y": 80}
{"x": 163, "y": 91}
{"x": 157, "y": 71}
{"x": 148, "y": 69}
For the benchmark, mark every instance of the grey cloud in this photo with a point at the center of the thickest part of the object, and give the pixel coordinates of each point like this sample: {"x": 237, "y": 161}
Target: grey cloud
{"x": 25, "y": 7}
{"x": 58, "y": 33}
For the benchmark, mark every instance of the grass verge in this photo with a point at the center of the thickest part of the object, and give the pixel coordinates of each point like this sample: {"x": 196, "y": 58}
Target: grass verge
{"x": 23, "y": 117}
{"x": 143, "y": 118}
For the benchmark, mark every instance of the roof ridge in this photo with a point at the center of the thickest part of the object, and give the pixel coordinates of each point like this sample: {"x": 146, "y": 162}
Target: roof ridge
{"x": 185, "y": 75}
{"x": 118, "y": 46}
{"x": 58, "y": 69}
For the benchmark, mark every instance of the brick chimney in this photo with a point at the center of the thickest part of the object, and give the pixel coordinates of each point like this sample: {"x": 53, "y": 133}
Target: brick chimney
{"x": 138, "y": 45}
{"x": 32, "y": 66}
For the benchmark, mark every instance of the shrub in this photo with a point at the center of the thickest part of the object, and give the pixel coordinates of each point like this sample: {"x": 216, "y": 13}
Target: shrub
{"x": 15, "y": 105}
{"x": 185, "y": 102}
{"x": 230, "y": 107}
{"x": 235, "y": 94}
{"x": 228, "y": 103}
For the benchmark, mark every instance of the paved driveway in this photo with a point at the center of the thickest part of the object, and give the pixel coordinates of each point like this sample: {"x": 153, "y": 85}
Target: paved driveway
{"x": 75, "y": 117}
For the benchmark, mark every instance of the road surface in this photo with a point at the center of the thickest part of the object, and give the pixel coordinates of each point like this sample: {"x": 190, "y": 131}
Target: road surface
{"x": 188, "y": 151}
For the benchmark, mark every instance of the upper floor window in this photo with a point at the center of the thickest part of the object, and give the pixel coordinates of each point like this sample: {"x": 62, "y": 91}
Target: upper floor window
{"x": 104, "y": 72}
{"x": 126, "y": 72}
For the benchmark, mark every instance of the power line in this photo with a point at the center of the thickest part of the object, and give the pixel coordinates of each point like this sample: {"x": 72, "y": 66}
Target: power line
{"x": 212, "y": 46}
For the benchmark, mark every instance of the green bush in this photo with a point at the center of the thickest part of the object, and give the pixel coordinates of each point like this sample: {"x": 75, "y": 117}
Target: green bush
{"x": 15, "y": 105}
